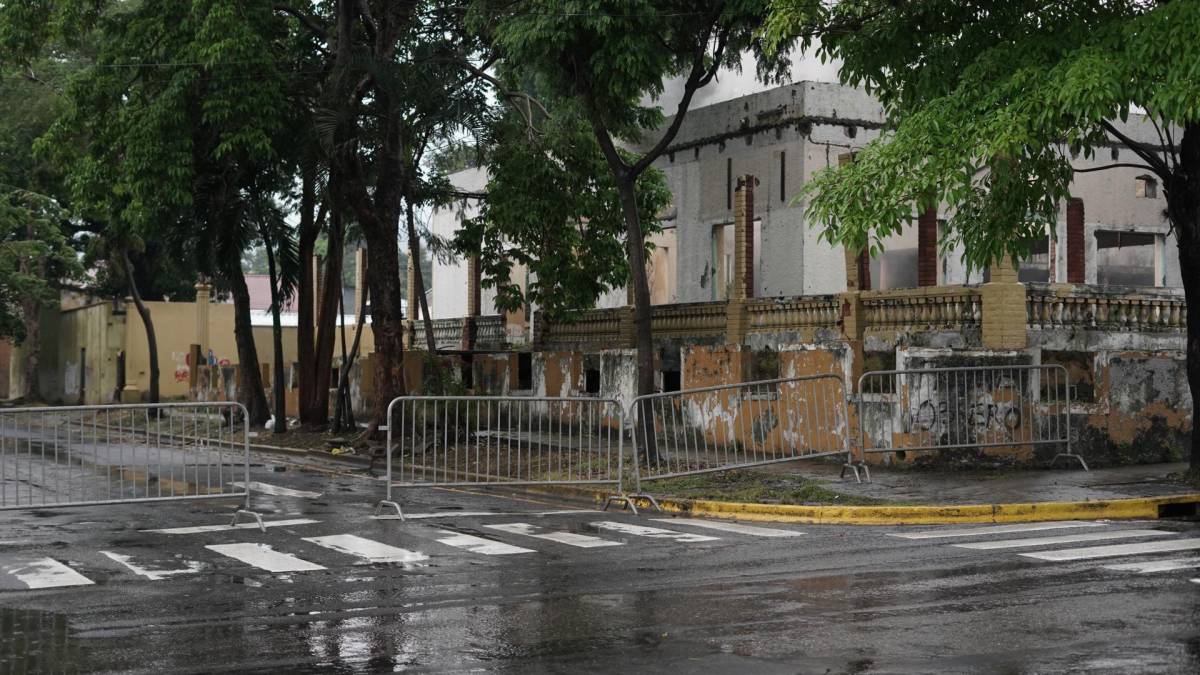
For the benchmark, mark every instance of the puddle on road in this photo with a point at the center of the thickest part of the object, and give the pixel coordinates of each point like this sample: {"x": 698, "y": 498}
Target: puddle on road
{"x": 33, "y": 641}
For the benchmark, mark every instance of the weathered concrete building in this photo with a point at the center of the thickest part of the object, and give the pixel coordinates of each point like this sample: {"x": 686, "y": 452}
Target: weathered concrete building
{"x": 745, "y": 288}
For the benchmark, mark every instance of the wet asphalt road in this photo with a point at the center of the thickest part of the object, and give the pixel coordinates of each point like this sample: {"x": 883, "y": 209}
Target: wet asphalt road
{"x": 829, "y": 599}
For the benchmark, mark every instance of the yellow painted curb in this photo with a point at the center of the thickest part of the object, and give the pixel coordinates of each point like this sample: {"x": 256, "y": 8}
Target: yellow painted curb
{"x": 1110, "y": 509}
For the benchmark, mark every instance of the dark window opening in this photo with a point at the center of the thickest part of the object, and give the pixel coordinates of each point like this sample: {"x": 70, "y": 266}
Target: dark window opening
{"x": 1125, "y": 258}
{"x": 591, "y": 381}
{"x": 466, "y": 373}
{"x": 764, "y": 365}
{"x": 729, "y": 183}
{"x": 525, "y": 371}
{"x": 783, "y": 176}
{"x": 672, "y": 380}
{"x": 1036, "y": 267}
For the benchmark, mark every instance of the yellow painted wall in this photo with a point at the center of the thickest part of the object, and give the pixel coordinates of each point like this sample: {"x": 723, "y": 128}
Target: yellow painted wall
{"x": 175, "y": 328}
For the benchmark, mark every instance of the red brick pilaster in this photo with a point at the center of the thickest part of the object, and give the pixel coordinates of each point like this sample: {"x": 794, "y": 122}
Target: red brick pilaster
{"x": 1075, "y": 258}
{"x": 927, "y": 255}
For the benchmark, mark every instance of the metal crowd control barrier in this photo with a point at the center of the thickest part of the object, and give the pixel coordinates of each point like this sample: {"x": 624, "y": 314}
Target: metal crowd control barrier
{"x": 447, "y": 441}
{"x": 124, "y": 454}
{"x": 975, "y": 407}
{"x": 741, "y": 425}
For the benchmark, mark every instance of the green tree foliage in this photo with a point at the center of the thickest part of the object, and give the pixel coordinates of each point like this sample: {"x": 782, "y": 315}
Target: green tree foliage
{"x": 180, "y": 125}
{"x": 608, "y": 56}
{"x": 35, "y": 258}
{"x": 988, "y": 102}
{"x": 552, "y": 205}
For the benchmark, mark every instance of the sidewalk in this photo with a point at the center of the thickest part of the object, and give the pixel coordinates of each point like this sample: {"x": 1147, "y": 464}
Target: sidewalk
{"x": 912, "y": 497}
{"x": 1069, "y": 484}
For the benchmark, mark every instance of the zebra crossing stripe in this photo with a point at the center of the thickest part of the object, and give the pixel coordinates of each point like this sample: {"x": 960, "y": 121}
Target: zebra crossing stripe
{"x": 240, "y": 526}
{"x": 367, "y": 549}
{"x": 568, "y": 538}
{"x": 479, "y": 544}
{"x": 264, "y": 557}
{"x": 45, "y": 573}
{"x": 151, "y": 574}
{"x": 653, "y": 532}
{"x": 1116, "y": 550}
{"x": 996, "y": 529}
{"x": 1156, "y": 565}
{"x": 736, "y": 528}
{"x": 1064, "y": 539}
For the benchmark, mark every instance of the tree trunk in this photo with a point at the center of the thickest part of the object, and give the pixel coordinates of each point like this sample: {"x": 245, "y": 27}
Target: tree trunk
{"x": 144, "y": 312}
{"x": 414, "y": 254}
{"x": 383, "y": 277}
{"x": 280, "y": 413}
{"x": 635, "y": 246}
{"x": 342, "y": 403}
{"x": 327, "y": 322}
{"x": 1183, "y": 204}
{"x": 310, "y": 227}
{"x": 250, "y": 384}
{"x": 31, "y": 314}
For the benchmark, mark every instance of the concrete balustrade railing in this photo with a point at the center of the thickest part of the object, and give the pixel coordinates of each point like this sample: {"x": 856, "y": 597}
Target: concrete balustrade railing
{"x": 1051, "y": 306}
{"x": 929, "y": 308}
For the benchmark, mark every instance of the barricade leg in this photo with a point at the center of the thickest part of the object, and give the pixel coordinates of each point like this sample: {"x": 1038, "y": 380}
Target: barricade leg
{"x": 390, "y": 504}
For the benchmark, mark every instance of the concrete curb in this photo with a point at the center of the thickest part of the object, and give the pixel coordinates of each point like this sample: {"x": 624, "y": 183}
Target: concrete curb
{"x": 1148, "y": 508}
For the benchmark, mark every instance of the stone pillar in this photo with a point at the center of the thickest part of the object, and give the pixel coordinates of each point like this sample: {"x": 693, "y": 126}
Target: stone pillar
{"x": 473, "y": 303}
{"x": 360, "y": 278}
{"x": 203, "y": 298}
{"x": 927, "y": 253}
{"x": 412, "y": 309}
{"x": 1004, "y": 310}
{"x": 1075, "y": 246}
{"x": 737, "y": 315}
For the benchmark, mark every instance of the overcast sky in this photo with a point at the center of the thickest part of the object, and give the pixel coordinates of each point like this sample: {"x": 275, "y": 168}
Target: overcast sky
{"x": 732, "y": 84}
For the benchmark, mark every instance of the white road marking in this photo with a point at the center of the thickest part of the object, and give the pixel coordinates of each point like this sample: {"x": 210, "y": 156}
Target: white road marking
{"x": 264, "y": 557}
{"x": 1117, "y": 550}
{"x": 479, "y": 544}
{"x": 1157, "y": 565}
{"x": 654, "y": 532}
{"x": 155, "y": 575}
{"x": 997, "y": 529}
{"x": 475, "y": 514}
{"x": 279, "y": 491}
{"x": 1195, "y": 581}
{"x": 568, "y": 538}
{"x": 45, "y": 573}
{"x": 240, "y": 526}
{"x": 367, "y": 549}
{"x": 1063, "y": 539}
{"x": 737, "y": 528}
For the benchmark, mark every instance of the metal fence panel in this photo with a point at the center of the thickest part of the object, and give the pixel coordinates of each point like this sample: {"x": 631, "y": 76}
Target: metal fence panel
{"x": 444, "y": 441}
{"x": 118, "y": 454}
{"x": 977, "y": 407}
{"x": 741, "y": 425}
